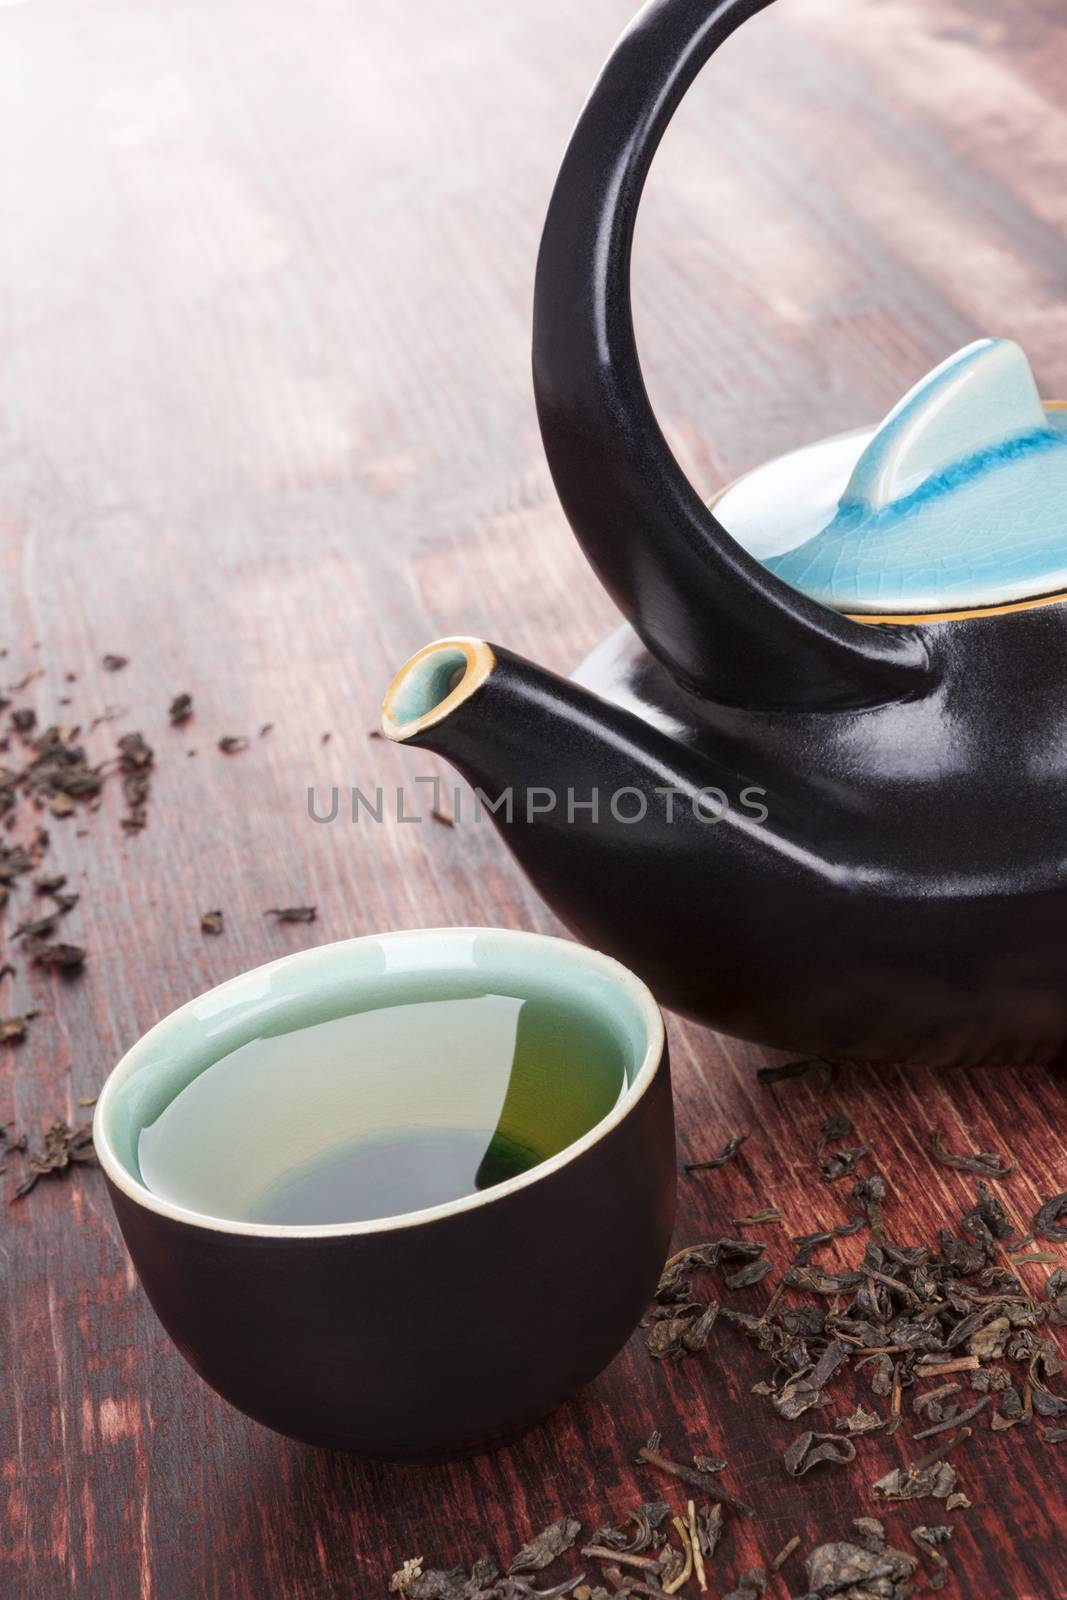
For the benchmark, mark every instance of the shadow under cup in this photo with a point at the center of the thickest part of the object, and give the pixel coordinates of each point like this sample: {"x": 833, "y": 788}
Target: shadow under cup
{"x": 432, "y": 1331}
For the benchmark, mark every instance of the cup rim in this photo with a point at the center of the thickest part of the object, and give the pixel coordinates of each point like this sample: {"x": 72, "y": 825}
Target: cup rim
{"x": 581, "y": 955}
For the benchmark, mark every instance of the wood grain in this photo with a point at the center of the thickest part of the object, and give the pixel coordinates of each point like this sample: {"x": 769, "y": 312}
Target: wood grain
{"x": 265, "y": 428}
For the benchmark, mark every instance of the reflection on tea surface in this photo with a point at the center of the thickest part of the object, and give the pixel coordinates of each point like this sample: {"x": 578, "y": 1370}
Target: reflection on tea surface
{"x": 384, "y": 1111}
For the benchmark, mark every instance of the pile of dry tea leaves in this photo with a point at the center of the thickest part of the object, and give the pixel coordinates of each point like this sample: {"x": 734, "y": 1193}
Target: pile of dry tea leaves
{"x": 47, "y": 777}
{"x": 939, "y": 1339}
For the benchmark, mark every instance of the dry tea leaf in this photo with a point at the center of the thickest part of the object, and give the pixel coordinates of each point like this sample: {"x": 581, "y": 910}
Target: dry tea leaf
{"x": 955, "y": 1419}
{"x": 842, "y": 1163}
{"x": 814, "y": 1449}
{"x": 57, "y": 957}
{"x": 673, "y": 1285}
{"x": 746, "y": 1276}
{"x": 832, "y": 1129}
{"x": 806, "y": 1390}
{"x": 927, "y": 1540}
{"x": 860, "y": 1421}
{"x": 710, "y": 1525}
{"x": 211, "y": 922}
{"x": 727, "y": 1153}
{"x": 13, "y": 1029}
{"x": 845, "y": 1569}
{"x": 62, "y": 1146}
{"x": 231, "y": 743}
{"x": 684, "y": 1333}
{"x": 934, "y": 1482}
{"x": 1048, "y": 1405}
{"x": 988, "y": 1343}
{"x": 292, "y": 913}
{"x": 545, "y": 1546}
{"x": 1049, "y": 1219}
{"x": 984, "y": 1163}
{"x": 113, "y": 663}
{"x": 136, "y": 758}
{"x": 181, "y": 709}
{"x": 646, "y": 1519}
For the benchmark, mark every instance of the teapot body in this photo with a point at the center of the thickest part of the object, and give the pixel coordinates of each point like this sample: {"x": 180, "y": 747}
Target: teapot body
{"x": 915, "y": 909}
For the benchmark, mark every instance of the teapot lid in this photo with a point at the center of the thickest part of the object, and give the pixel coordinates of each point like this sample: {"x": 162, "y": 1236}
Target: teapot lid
{"x": 957, "y": 502}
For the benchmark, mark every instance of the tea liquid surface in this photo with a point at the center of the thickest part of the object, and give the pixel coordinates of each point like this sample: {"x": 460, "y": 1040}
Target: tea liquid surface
{"x": 384, "y": 1111}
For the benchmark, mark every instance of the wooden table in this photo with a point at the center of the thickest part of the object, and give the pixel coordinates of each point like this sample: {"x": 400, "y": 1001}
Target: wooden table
{"x": 265, "y": 428}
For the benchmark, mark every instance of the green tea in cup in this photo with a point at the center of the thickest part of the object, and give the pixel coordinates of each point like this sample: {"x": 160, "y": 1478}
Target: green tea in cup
{"x": 386, "y": 1110}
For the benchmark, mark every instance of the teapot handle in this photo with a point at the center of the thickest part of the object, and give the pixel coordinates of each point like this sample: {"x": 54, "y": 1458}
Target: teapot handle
{"x": 712, "y": 614}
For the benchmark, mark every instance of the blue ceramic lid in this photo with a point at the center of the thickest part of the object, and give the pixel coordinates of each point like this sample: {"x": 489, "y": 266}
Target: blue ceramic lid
{"x": 958, "y": 501}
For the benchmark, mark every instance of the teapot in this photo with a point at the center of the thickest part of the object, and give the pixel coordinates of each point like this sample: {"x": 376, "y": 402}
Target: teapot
{"x": 814, "y": 789}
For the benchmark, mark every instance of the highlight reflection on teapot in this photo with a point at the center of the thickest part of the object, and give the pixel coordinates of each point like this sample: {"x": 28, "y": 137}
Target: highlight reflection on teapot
{"x": 872, "y": 630}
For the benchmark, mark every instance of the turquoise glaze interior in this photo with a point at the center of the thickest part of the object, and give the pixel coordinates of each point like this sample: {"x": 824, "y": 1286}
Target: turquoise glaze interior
{"x": 318, "y": 986}
{"x": 429, "y": 681}
{"x": 958, "y": 501}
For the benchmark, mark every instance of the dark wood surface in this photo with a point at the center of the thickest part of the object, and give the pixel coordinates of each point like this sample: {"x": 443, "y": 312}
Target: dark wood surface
{"x": 265, "y": 428}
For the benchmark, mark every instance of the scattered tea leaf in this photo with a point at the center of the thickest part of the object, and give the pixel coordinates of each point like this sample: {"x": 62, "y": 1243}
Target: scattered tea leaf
{"x": 957, "y": 1418}
{"x": 846, "y": 1569}
{"x": 1048, "y": 1221}
{"x": 685, "y": 1333}
{"x": 181, "y": 709}
{"x": 984, "y": 1163}
{"x": 810, "y": 1450}
{"x": 63, "y": 1146}
{"x": 927, "y": 1539}
{"x": 13, "y": 1029}
{"x": 211, "y": 922}
{"x": 292, "y": 913}
{"x": 114, "y": 663}
{"x": 710, "y": 1526}
{"x": 860, "y": 1421}
{"x": 713, "y": 1163}
{"x": 842, "y": 1163}
{"x": 753, "y": 1272}
{"x": 638, "y": 1531}
{"x": 58, "y": 957}
{"x": 545, "y": 1546}
{"x": 231, "y": 743}
{"x": 931, "y": 1477}
{"x": 136, "y": 759}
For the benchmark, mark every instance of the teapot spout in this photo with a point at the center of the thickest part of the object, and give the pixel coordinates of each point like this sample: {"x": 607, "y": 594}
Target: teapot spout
{"x": 566, "y": 777}
{"x": 531, "y": 744}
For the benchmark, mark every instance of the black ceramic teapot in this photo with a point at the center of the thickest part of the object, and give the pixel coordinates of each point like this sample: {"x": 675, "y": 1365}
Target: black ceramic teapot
{"x": 815, "y": 789}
